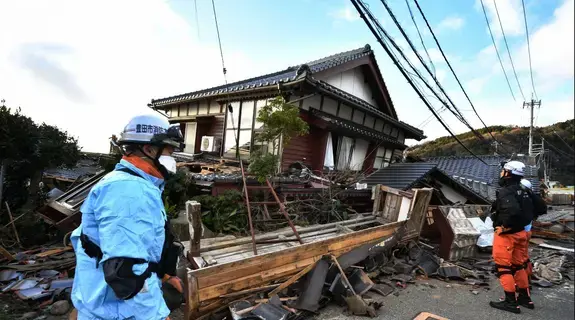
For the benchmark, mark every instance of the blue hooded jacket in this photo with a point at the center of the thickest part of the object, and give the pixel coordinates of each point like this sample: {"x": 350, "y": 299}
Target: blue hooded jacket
{"x": 124, "y": 215}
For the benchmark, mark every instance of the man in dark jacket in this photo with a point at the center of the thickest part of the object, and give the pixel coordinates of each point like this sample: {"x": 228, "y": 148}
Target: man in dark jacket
{"x": 513, "y": 211}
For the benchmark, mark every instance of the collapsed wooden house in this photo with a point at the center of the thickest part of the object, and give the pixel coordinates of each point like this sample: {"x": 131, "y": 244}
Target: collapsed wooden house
{"x": 224, "y": 269}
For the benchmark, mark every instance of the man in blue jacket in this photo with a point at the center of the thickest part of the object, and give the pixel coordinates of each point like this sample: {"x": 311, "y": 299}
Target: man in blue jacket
{"x": 124, "y": 242}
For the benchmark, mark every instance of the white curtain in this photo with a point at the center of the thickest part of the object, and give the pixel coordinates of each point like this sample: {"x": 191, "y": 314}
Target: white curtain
{"x": 328, "y": 160}
{"x": 344, "y": 152}
{"x": 359, "y": 153}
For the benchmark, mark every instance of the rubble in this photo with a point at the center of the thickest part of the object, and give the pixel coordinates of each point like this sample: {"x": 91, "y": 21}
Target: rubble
{"x": 40, "y": 278}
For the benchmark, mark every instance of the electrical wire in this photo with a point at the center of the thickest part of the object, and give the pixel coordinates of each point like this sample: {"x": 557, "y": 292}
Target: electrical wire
{"x": 568, "y": 146}
{"x": 560, "y": 152}
{"x": 496, "y": 50}
{"x": 229, "y": 109}
{"x": 528, "y": 48}
{"x": 220, "y": 42}
{"x": 455, "y": 74}
{"x": 414, "y": 73}
{"x": 455, "y": 111}
{"x": 197, "y": 19}
{"x": 508, "y": 51}
{"x": 360, "y": 7}
{"x": 420, "y": 37}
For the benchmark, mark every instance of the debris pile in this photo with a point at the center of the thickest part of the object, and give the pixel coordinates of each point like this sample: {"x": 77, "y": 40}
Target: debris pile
{"x": 42, "y": 278}
{"x": 355, "y": 278}
{"x": 559, "y": 223}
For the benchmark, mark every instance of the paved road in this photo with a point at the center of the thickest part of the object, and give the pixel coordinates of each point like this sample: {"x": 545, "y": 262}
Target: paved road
{"x": 458, "y": 303}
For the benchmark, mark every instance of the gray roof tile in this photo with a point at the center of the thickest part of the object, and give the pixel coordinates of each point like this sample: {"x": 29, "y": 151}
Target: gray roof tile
{"x": 289, "y": 74}
{"x": 405, "y": 176}
{"x": 400, "y": 175}
{"x": 469, "y": 167}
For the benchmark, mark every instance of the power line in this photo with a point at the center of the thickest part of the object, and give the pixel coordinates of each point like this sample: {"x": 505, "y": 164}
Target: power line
{"x": 497, "y": 51}
{"x": 568, "y": 146}
{"x": 219, "y": 42}
{"x": 197, "y": 19}
{"x": 454, "y": 74}
{"x": 560, "y": 152}
{"x": 455, "y": 111}
{"x": 508, "y": 51}
{"x": 528, "y": 48}
{"x": 360, "y": 7}
{"x": 420, "y": 37}
{"x": 224, "y": 70}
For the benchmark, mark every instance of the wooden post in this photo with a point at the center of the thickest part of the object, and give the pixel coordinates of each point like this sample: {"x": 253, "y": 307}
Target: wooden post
{"x": 194, "y": 212}
{"x": 376, "y": 193}
{"x": 12, "y": 223}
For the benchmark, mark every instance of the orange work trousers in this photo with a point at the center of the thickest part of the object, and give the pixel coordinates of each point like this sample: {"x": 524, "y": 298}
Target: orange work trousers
{"x": 510, "y": 253}
{"x": 529, "y": 266}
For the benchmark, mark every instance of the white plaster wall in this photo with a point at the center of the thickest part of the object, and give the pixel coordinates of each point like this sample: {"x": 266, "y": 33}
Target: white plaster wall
{"x": 353, "y": 82}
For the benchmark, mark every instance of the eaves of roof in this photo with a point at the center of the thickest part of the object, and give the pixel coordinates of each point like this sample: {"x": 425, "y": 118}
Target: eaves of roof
{"x": 461, "y": 185}
{"x": 342, "y": 95}
{"x": 357, "y": 128}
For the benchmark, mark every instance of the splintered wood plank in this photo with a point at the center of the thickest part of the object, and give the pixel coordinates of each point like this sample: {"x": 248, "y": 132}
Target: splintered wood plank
{"x": 240, "y": 270}
{"x": 281, "y": 266}
{"x": 254, "y": 280}
{"x": 193, "y": 301}
{"x": 266, "y": 259}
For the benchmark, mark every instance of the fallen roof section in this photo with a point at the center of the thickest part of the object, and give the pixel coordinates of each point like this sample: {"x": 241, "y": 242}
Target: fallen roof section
{"x": 230, "y": 269}
{"x": 405, "y": 176}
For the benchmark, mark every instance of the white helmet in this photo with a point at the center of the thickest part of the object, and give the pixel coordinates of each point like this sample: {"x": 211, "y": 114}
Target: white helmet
{"x": 515, "y": 167}
{"x": 151, "y": 129}
{"x": 526, "y": 184}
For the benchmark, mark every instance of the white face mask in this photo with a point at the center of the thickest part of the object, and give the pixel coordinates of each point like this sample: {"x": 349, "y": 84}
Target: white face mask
{"x": 168, "y": 162}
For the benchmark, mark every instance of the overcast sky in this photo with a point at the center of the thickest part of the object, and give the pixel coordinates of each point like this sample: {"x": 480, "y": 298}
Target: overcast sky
{"x": 88, "y": 66}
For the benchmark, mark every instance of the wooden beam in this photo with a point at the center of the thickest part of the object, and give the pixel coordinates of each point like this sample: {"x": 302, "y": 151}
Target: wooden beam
{"x": 226, "y": 244}
{"x": 246, "y": 278}
{"x": 194, "y": 213}
{"x": 193, "y": 297}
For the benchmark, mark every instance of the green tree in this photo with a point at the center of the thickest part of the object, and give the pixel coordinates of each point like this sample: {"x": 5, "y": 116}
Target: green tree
{"x": 281, "y": 122}
{"x": 27, "y": 149}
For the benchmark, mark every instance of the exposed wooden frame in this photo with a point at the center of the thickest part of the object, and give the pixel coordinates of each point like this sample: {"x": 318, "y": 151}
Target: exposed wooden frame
{"x": 208, "y": 287}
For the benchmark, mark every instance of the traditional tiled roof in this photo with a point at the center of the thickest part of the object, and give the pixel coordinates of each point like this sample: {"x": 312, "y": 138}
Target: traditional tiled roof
{"x": 471, "y": 168}
{"x": 400, "y": 175}
{"x": 405, "y": 176}
{"x": 415, "y": 132}
{"x": 287, "y": 75}
{"x": 354, "y": 127}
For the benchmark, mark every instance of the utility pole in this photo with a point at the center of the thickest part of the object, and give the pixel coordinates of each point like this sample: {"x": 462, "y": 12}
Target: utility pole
{"x": 531, "y": 105}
